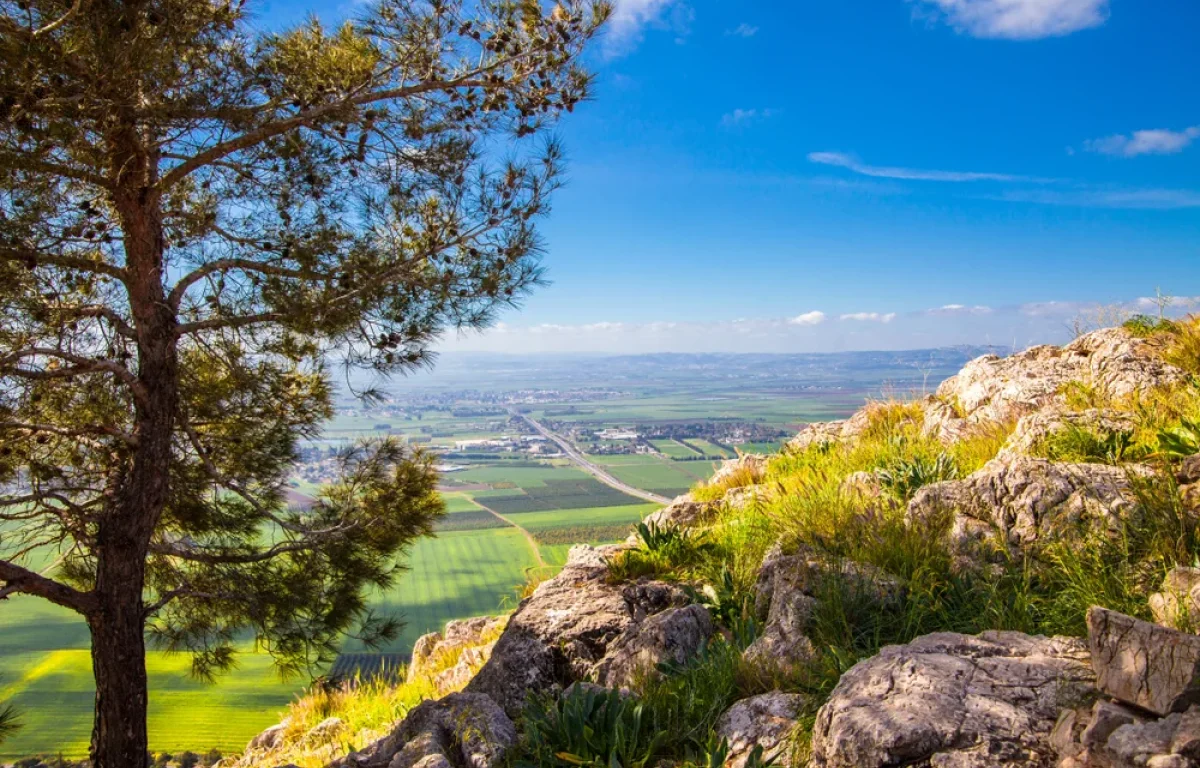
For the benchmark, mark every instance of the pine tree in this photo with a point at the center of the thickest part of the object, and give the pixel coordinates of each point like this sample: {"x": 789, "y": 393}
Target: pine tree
{"x": 200, "y": 225}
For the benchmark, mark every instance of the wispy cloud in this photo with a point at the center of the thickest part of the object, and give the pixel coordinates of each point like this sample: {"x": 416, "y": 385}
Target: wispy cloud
{"x": 1156, "y": 141}
{"x": 808, "y": 318}
{"x": 1017, "y": 19}
{"x": 1128, "y": 199}
{"x": 631, "y": 17}
{"x": 960, "y": 309}
{"x": 870, "y": 317}
{"x": 743, "y": 30}
{"x": 851, "y": 163}
{"x": 744, "y": 116}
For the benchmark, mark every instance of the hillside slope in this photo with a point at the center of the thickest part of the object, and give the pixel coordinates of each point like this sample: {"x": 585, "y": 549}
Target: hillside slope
{"x": 996, "y": 575}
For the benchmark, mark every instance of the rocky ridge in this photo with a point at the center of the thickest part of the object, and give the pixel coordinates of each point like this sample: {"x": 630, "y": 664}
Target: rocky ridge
{"x": 1126, "y": 697}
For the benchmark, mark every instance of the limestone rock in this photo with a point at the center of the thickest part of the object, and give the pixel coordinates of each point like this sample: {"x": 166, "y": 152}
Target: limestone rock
{"x": 1178, "y": 604}
{"x": 683, "y": 512}
{"x": 559, "y": 633}
{"x": 461, "y": 729}
{"x": 1020, "y": 501}
{"x": 952, "y": 700}
{"x": 786, "y": 596}
{"x": 1033, "y": 430}
{"x": 1191, "y": 497}
{"x": 820, "y": 433}
{"x": 269, "y": 738}
{"x": 747, "y": 469}
{"x": 748, "y": 496}
{"x": 457, "y": 637}
{"x": 674, "y": 635}
{"x": 469, "y": 662}
{"x": 995, "y": 390}
{"x": 765, "y": 721}
{"x": 1152, "y": 667}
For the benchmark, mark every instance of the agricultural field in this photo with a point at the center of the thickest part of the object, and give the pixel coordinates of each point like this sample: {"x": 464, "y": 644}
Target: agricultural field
{"x": 673, "y": 449}
{"x": 650, "y": 473}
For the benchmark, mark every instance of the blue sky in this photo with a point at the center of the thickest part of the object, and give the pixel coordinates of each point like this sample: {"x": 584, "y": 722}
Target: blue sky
{"x": 867, "y": 174}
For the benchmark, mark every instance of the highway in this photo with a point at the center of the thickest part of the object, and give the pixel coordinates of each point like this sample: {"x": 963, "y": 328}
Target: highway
{"x": 582, "y": 462}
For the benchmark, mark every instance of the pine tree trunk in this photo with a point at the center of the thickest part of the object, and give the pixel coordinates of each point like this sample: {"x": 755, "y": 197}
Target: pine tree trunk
{"x": 119, "y": 737}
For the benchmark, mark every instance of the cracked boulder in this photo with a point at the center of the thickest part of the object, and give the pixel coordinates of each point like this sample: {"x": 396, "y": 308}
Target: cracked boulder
{"x": 997, "y": 390}
{"x": 1018, "y": 502}
{"x": 559, "y": 633}
{"x": 462, "y": 729}
{"x": 1150, "y": 666}
{"x": 673, "y": 636}
{"x": 952, "y": 701}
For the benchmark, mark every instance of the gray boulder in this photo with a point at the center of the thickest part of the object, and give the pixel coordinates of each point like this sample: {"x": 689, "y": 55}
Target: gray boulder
{"x": 674, "y": 635}
{"x": 820, "y": 433}
{"x": 1018, "y": 502}
{"x": 1189, "y": 470}
{"x": 559, "y": 633}
{"x": 766, "y": 721}
{"x": 952, "y": 700}
{"x": 1147, "y": 665}
{"x": 269, "y": 738}
{"x": 461, "y": 729}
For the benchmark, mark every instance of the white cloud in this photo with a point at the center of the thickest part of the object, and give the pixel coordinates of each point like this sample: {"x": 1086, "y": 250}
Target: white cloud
{"x": 743, "y": 30}
{"x": 960, "y": 309}
{"x": 1019, "y": 19}
{"x": 1157, "y": 141}
{"x": 808, "y": 318}
{"x": 852, "y": 163}
{"x": 743, "y": 116}
{"x": 870, "y": 317}
{"x": 631, "y": 17}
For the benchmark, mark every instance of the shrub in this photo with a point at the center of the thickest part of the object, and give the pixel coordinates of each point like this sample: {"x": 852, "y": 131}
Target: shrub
{"x": 666, "y": 551}
{"x": 1180, "y": 441}
{"x": 596, "y": 728}
{"x": 904, "y": 477}
{"x": 1144, "y": 326}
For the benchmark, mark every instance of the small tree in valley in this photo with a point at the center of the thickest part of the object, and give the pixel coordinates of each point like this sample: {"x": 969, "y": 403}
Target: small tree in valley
{"x": 198, "y": 222}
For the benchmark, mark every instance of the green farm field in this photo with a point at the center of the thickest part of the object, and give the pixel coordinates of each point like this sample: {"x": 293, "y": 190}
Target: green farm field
{"x": 45, "y": 668}
{"x": 674, "y": 449}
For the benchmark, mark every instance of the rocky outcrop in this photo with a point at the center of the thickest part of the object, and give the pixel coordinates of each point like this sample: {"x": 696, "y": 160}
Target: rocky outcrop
{"x": 765, "y": 721}
{"x": 269, "y": 738}
{"x": 1018, "y": 502}
{"x": 1033, "y": 431}
{"x": 1153, "y": 667}
{"x": 949, "y": 700}
{"x": 674, "y": 636}
{"x": 461, "y": 729}
{"x": 566, "y": 627}
{"x": 995, "y": 390}
{"x": 462, "y": 647}
{"x": 786, "y": 595}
